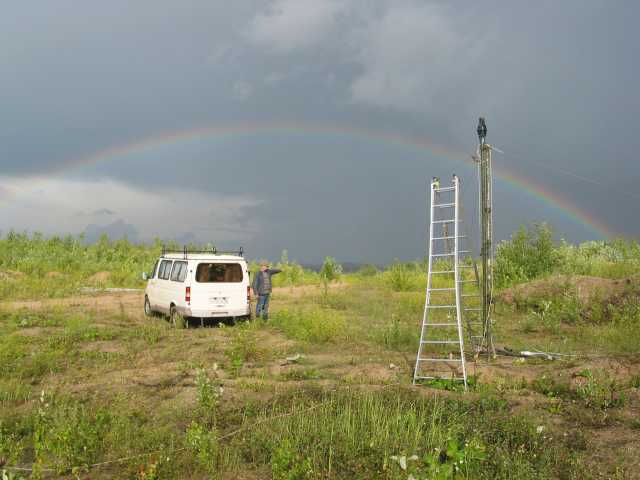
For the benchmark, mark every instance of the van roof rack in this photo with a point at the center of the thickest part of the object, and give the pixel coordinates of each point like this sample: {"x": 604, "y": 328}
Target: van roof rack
{"x": 213, "y": 250}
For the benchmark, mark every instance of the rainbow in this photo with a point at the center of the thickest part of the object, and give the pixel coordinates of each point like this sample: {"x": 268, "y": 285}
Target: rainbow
{"x": 552, "y": 199}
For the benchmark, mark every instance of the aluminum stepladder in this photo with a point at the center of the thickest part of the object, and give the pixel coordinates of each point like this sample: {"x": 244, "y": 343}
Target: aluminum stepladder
{"x": 450, "y": 310}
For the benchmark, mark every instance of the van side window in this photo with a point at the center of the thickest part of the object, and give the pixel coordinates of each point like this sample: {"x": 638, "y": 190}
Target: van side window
{"x": 165, "y": 270}
{"x": 179, "y": 272}
{"x": 154, "y": 272}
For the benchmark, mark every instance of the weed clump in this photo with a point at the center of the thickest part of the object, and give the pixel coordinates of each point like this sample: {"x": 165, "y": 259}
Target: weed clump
{"x": 242, "y": 349}
{"x": 311, "y": 325}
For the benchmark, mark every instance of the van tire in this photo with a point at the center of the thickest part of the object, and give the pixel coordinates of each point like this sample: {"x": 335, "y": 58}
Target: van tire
{"x": 173, "y": 313}
{"x": 147, "y": 307}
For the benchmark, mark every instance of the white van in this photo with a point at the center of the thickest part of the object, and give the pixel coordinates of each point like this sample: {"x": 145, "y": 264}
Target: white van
{"x": 199, "y": 284}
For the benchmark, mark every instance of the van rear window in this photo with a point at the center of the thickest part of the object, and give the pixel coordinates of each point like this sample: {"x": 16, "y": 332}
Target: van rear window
{"x": 219, "y": 273}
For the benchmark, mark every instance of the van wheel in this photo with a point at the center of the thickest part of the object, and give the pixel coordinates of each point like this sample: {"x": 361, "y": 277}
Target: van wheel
{"x": 147, "y": 307}
{"x": 173, "y": 315}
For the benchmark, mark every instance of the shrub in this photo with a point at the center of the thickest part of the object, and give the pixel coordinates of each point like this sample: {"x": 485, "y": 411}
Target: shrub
{"x": 292, "y": 273}
{"x": 400, "y": 278}
{"x": 368, "y": 270}
{"x": 331, "y": 271}
{"x": 529, "y": 254}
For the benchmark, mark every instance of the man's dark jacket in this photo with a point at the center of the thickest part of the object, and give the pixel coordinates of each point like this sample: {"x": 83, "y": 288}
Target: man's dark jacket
{"x": 260, "y": 285}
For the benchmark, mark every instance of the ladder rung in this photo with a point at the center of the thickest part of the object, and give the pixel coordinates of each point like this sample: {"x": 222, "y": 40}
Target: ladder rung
{"x": 444, "y": 271}
{"x": 444, "y": 189}
{"x": 444, "y": 205}
{"x": 455, "y": 379}
{"x": 441, "y": 306}
{"x": 441, "y": 289}
{"x": 470, "y": 295}
{"x": 472, "y": 309}
{"x": 448, "y": 254}
{"x": 439, "y": 360}
{"x": 441, "y": 324}
{"x": 465, "y": 266}
{"x": 444, "y": 221}
{"x": 448, "y": 238}
{"x": 441, "y": 341}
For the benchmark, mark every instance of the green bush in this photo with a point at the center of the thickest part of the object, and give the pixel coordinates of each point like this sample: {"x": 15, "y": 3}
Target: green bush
{"x": 331, "y": 271}
{"x": 529, "y": 254}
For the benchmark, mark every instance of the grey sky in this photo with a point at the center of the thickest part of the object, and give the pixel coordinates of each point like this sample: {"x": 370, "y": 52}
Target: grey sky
{"x": 556, "y": 81}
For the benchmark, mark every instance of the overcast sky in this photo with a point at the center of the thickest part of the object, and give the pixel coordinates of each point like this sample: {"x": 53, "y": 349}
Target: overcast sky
{"x": 302, "y": 100}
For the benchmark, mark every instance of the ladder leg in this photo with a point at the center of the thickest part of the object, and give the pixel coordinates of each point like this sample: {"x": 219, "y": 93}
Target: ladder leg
{"x": 428, "y": 292}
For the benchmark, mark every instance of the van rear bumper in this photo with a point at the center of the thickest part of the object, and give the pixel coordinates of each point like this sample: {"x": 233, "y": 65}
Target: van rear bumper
{"x": 214, "y": 313}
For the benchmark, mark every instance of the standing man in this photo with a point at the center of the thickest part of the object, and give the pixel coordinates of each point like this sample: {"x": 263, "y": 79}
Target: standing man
{"x": 262, "y": 288}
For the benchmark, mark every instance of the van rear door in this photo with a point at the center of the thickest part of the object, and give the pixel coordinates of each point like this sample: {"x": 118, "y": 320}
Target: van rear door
{"x": 219, "y": 286}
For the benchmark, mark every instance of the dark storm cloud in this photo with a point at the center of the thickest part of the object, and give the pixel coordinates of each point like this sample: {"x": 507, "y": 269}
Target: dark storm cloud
{"x": 556, "y": 81}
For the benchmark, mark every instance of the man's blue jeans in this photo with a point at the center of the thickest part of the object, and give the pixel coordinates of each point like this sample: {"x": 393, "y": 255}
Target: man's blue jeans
{"x": 262, "y": 306}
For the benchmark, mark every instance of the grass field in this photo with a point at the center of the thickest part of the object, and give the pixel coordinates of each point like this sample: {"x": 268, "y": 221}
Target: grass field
{"x": 91, "y": 388}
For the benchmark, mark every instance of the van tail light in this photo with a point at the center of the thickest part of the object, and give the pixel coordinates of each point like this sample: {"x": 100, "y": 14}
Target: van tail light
{"x": 248, "y": 293}
{"x": 187, "y": 294}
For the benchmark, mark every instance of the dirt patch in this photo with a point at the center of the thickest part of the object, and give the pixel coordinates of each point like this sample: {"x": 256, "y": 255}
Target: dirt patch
{"x": 11, "y": 275}
{"x": 106, "y": 346}
{"x": 31, "y": 331}
{"x": 106, "y": 302}
{"x": 99, "y": 278}
{"x": 54, "y": 275}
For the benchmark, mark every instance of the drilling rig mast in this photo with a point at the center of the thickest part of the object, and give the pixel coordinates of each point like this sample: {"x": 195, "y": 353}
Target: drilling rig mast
{"x": 486, "y": 234}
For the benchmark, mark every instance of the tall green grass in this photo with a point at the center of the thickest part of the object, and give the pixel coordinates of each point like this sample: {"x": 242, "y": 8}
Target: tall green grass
{"x": 394, "y": 434}
{"x": 315, "y": 325}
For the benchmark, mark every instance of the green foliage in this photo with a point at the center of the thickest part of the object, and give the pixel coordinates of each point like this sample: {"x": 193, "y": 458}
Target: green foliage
{"x": 399, "y": 435}
{"x": 58, "y": 266}
{"x": 331, "y": 271}
{"x": 368, "y": 270}
{"x": 9, "y": 475}
{"x": 400, "y": 278}
{"x": 209, "y": 392}
{"x": 398, "y": 335}
{"x": 203, "y": 442}
{"x": 599, "y": 392}
{"x": 202, "y": 434}
{"x": 596, "y": 391}
{"x": 311, "y": 325}
{"x": 68, "y": 435}
{"x": 243, "y": 347}
{"x": 550, "y": 386}
{"x": 292, "y": 273}
{"x": 610, "y": 259}
{"x": 287, "y": 464}
{"x": 531, "y": 253}
{"x": 527, "y": 255}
